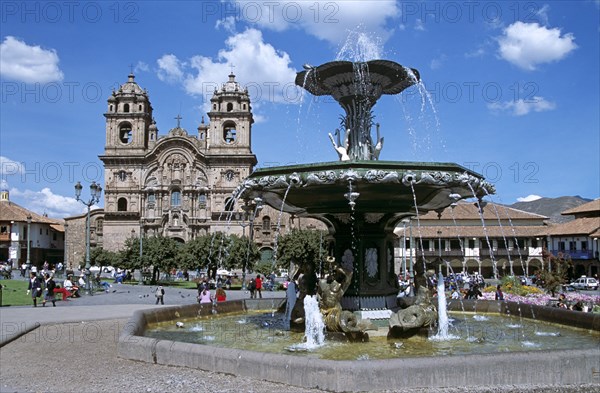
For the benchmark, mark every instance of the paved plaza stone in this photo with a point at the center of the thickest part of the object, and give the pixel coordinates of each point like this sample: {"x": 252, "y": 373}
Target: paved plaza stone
{"x": 73, "y": 348}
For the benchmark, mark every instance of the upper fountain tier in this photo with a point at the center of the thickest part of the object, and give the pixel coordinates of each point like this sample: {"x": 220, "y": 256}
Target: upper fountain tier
{"x": 357, "y": 87}
{"x": 346, "y": 81}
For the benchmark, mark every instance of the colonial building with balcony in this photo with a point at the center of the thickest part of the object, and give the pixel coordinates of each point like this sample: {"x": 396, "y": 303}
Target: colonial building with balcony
{"x": 46, "y": 236}
{"x": 508, "y": 239}
{"x": 578, "y": 239}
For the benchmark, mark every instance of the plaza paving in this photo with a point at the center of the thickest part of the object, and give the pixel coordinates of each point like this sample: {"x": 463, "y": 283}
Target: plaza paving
{"x": 73, "y": 348}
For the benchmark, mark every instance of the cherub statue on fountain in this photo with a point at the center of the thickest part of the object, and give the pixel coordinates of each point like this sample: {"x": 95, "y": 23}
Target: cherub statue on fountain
{"x": 331, "y": 289}
{"x": 421, "y": 314}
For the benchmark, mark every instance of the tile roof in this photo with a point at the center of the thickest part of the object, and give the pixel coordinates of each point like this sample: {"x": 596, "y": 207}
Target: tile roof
{"x": 579, "y": 226}
{"x": 593, "y": 206}
{"x": 491, "y": 211}
{"x": 10, "y": 211}
{"x": 467, "y": 231}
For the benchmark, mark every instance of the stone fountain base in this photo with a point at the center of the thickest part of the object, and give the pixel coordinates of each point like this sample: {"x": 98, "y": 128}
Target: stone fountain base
{"x": 543, "y": 368}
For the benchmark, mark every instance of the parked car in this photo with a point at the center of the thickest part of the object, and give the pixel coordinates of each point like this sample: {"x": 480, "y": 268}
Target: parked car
{"x": 584, "y": 282}
{"x": 105, "y": 269}
{"x": 223, "y": 272}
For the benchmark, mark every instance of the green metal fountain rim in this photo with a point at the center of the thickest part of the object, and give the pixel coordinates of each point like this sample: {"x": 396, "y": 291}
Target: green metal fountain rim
{"x": 405, "y": 166}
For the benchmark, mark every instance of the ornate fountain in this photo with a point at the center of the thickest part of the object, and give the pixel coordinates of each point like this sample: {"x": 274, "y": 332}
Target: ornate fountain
{"x": 360, "y": 198}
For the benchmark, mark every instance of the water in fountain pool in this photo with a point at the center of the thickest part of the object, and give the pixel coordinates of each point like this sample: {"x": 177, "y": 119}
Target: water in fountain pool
{"x": 260, "y": 331}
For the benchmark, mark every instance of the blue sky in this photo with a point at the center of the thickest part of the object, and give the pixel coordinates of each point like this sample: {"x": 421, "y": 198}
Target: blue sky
{"x": 512, "y": 87}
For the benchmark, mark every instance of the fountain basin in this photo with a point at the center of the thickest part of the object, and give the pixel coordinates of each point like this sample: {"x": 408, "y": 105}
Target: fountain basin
{"x": 546, "y": 367}
{"x": 384, "y": 187}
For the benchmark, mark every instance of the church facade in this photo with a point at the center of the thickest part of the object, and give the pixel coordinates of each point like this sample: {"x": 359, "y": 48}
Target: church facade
{"x": 180, "y": 184}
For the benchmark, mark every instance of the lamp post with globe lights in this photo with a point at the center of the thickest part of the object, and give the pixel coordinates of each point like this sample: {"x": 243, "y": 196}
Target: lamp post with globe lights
{"x": 95, "y": 192}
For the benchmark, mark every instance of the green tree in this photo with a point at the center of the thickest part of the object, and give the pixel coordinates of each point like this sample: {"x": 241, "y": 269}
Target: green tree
{"x": 301, "y": 246}
{"x": 101, "y": 257}
{"x": 556, "y": 272}
{"x": 159, "y": 252}
{"x": 218, "y": 250}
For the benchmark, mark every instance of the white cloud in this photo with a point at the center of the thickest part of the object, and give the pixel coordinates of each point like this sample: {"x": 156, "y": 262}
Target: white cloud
{"x": 542, "y": 14}
{"x": 169, "y": 69}
{"x": 30, "y": 64}
{"x": 228, "y": 24}
{"x": 141, "y": 67}
{"x": 528, "y": 44}
{"x": 327, "y": 20}
{"x": 260, "y": 67}
{"x": 438, "y": 62}
{"x": 529, "y": 198}
{"x": 9, "y": 167}
{"x": 419, "y": 25}
{"x": 45, "y": 201}
{"x": 522, "y": 107}
{"x": 475, "y": 53}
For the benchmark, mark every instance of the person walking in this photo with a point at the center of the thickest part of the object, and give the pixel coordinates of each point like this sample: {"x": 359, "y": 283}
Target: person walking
{"x": 50, "y": 285}
{"x": 259, "y": 285}
{"x": 499, "y": 294}
{"x": 34, "y": 288}
{"x": 252, "y": 288}
{"x": 160, "y": 294}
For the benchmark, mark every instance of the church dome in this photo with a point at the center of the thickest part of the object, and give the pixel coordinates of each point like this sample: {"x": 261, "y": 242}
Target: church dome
{"x": 231, "y": 85}
{"x": 131, "y": 87}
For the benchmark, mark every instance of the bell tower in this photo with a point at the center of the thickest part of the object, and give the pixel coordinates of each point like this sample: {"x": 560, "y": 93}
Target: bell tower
{"x": 230, "y": 119}
{"x": 128, "y": 120}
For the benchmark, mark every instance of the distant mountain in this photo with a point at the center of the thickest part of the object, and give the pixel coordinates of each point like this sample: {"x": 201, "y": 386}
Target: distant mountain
{"x": 552, "y": 207}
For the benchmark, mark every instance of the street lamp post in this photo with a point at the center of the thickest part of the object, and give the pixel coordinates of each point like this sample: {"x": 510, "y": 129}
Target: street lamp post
{"x": 141, "y": 280}
{"x": 95, "y": 191}
{"x": 255, "y": 207}
{"x": 28, "y": 263}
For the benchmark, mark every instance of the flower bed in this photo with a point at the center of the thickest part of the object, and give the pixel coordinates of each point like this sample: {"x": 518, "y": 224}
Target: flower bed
{"x": 546, "y": 299}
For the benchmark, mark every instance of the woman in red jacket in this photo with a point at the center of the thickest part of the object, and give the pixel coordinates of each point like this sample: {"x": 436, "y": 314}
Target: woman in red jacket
{"x": 259, "y": 285}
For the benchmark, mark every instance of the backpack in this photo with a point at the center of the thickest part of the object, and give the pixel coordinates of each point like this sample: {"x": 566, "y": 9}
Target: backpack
{"x": 252, "y": 285}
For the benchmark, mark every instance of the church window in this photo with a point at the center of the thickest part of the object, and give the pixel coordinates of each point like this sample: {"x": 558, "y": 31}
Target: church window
{"x": 151, "y": 137}
{"x": 229, "y": 204}
{"x": 266, "y": 223}
{"x": 229, "y": 132}
{"x": 151, "y": 198}
{"x": 126, "y": 108}
{"x": 122, "y": 175}
{"x": 140, "y": 107}
{"x": 111, "y": 108}
{"x": 175, "y": 198}
{"x": 99, "y": 225}
{"x": 201, "y": 136}
{"x": 244, "y": 106}
{"x": 122, "y": 205}
{"x": 215, "y": 107}
{"x": 229, "y": 107}
{"x": 125, "y": 134}
{"x": 202, "y": 199}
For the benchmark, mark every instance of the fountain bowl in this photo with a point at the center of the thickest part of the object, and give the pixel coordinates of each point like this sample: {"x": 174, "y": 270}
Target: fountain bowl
{"x": 544, "y": 368}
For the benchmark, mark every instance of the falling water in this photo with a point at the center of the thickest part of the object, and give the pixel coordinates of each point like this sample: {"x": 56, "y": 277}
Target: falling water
{"x": 510, "y": 262}
{"x": 442, "y": 333}
{"x": 485, "y": 231}
{"x": 314, "y": 330}
{"x": 412, "y": 187}
{"x": 278, "y": 229}
{"x": 360, "y": 46}
{"x": 512, "y": 227}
